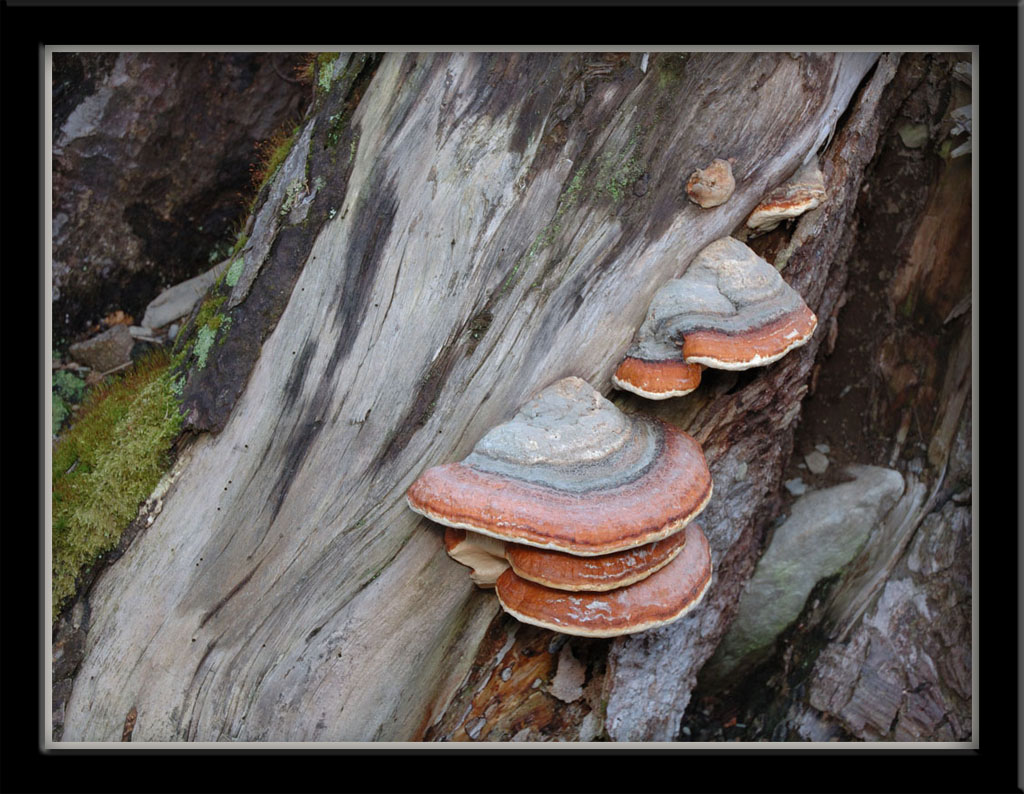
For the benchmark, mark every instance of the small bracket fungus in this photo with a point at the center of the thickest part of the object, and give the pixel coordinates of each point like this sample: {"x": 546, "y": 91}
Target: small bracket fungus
{"x": 571, "y": 472}
{"x": 730, "y": 310}
{"x": 575, "y": 498}
{"x": 489, "y": 557}
{"x": 655, "y": 369}
{"x": 657, "y": 600}
{"x": 803, "y": 191}
{"x": 713, "y": 185}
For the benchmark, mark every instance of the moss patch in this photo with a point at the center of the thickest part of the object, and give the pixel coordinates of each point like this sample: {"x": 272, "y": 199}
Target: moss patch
{"x": 68, "y": 389}
{"x": 106, "y": 465}
{"x": 209, "y": 323}
{"x": 270, "y": 154}
{"x": 234, "y": 271}
{"x": 324, "y": 65}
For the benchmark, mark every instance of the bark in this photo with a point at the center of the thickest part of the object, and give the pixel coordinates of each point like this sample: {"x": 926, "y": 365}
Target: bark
{"x": 462, "y": 231}
{"x": 883, "y": 651}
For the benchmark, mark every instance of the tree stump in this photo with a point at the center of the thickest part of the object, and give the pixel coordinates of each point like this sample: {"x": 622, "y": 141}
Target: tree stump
{"x": 450, "y": 234}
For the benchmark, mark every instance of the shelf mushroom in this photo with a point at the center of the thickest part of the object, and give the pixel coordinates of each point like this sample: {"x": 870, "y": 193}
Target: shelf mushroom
{"x": 730, "y": 310}
{"x": 571, "y": 472}
{"x": 586, "y": 499}
{"x": 803, "y": 191}
{"x": 709, "y": 187}
{"x": 489, "y": 557}
{"x": 663, "y": 597}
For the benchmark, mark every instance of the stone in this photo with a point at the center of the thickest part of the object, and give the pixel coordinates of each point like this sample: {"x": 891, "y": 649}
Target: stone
{"x": 177, "y": 301}
{"x": 181, "y": 128}
{"x": 816, "y": 462}
{"x": 106, "y": 351}
{"x": 824, "y": 532}
{"x": 796, "y": 486}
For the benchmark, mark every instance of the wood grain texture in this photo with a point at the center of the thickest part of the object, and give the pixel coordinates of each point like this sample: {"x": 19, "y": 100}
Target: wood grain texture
{"x": 286, "y": 592}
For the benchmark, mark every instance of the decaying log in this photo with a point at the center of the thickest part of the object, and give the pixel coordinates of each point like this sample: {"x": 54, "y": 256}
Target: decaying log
{"x": 465, "y": 230}
{"x": 882, "y": 650}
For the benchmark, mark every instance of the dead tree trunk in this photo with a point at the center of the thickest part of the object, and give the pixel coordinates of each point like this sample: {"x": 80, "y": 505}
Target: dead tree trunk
{"x": 450, "y": 234}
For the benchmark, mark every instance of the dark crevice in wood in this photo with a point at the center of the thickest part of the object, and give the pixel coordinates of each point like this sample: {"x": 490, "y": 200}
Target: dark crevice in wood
{"x": 231, "y": 593}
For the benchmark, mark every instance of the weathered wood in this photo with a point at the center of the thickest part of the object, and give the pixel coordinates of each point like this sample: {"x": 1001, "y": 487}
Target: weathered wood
{"x": 746, "y": 424}
{"x": 505, "y": 221}
{"x": 882, "y": 649}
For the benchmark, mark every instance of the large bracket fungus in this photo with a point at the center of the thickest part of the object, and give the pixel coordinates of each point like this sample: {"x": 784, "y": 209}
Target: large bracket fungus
{"x": 587, "y": 500}
{"x": 730, "y": 310}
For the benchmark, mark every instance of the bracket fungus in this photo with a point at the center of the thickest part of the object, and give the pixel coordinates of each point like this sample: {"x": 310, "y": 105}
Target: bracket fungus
{"x": 730, "y": 310}
{"x": 664, "y": 596}
{"x": 711, "y": 186}
{"x": 489, "y": 557}
{"x": 605, "y": 572}
{"x": 803, "y": 191}
{"x": 585, "y": 499}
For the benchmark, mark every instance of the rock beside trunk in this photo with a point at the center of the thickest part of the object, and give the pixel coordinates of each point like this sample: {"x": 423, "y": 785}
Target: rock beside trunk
{"x": 151, "y": 167}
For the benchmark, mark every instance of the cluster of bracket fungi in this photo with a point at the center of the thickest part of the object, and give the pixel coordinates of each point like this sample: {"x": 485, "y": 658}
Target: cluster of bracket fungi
{"x": 581, "y": 516}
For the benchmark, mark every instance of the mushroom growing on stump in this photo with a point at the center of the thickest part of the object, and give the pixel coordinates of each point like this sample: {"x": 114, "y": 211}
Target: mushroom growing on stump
{"x": 597, "y": 496}
{"x": 654, "y": 368}
{"x": 657, "y": 600}
{"x": 484, "y": 555}
{"x": 803, "y": 191}
{"x": 564, "y": 571}
{"x": 730, "y": 310}
{"x": 489, "y": 557}
{"x": 711, "y": 186}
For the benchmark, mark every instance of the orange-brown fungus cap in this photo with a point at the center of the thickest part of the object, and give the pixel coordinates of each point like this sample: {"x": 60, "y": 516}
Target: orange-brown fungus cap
{"x": 730, "y": 310}
{"x": 661, "y": 598}
{"x": 571, "y": 472}
{"x": 804, "y": 191}
{"x": 711, "y": 186}
{"x": 658, "y": 379}
{"x": 605, "y": 572}
{"x": 756, "y": 347}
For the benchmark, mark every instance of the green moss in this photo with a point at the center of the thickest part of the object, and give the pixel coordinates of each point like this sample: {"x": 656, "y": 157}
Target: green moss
{"x": 234, "y": 271}
{"x": 68, "y": 389}
{"x": 271, "y": 154}
{"x": 325, "y": 70}
{"x": 106, "y": 465}
{"x": 208, "y": 312}
{"x": 618, "y": 171}
{"x": 196, "y": 338}
{"x": 204, "y": 341}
